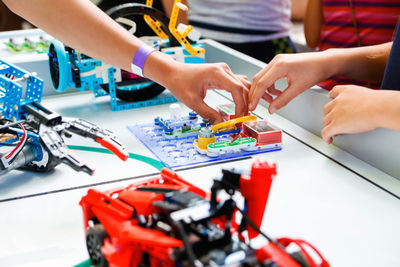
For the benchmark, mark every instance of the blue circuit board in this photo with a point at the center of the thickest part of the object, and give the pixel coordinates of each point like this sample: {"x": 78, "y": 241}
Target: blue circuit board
{"x": 178, "y": 153}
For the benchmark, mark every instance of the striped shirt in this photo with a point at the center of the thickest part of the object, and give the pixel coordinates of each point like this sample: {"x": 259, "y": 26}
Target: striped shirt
{"x": 241, "y": 21}
{"x": 353, "y": 23}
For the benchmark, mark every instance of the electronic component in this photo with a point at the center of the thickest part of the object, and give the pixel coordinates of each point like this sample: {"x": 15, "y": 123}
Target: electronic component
{"x": 191, "y": 141}
{"x": 263, "y": 132}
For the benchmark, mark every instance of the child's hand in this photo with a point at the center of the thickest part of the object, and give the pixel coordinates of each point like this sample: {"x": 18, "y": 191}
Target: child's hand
{"x": 301, "y": 71}
{"x": 191, "y": 82}
{"x": 354, "y": 109}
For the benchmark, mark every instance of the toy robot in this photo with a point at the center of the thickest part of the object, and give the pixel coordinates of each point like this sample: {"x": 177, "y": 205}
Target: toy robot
{"x": 166, "y": 221}
{"x": 70, "y": 68}
{"x": 31, "y": 135}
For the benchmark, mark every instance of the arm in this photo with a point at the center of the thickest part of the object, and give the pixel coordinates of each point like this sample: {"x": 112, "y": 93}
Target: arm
{"x": 313, "y": 21}
{"x": 298, "y": 9}
{"x": 307, "y": 69}
{"x": 81, "y": 25}
{"x": 356, "y": 109}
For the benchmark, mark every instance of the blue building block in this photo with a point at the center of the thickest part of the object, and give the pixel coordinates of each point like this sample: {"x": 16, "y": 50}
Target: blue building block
{"x": 17, "y": 88}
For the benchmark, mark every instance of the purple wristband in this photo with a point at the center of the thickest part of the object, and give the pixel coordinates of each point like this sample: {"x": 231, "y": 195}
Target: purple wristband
{"x": 140, "y": 58}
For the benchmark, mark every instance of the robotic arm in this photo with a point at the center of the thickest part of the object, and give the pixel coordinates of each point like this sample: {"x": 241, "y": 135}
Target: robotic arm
{"x": 40, "y": 146}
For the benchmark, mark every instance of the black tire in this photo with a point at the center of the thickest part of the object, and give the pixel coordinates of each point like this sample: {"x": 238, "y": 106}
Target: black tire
{"x": 135, "y": 12}
{"x": 94, "y": 241}
{"x": 149, "y": 92}
{"x": 142, "y": 29}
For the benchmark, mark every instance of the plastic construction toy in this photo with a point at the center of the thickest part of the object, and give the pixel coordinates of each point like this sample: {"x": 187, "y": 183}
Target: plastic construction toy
{"x": 179, "y": 127}
{"x": 228, "y": 111}
{"x": 70, "y": 68}
{"x": 190, "y": 140}
{"x": 206, "y": 144}
{"x": 166, "y": 221}
{"x": 28, "y": 45}
{"x": 32, "y": 135}
{"x": 17, "y": 88}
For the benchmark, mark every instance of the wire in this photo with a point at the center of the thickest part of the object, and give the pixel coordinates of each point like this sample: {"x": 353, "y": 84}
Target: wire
{"x": 258, "y": 230}
{"x": 14, "y": 153}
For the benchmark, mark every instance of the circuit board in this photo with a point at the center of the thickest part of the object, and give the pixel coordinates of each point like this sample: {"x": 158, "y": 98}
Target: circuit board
{"x": 180, "y": 152}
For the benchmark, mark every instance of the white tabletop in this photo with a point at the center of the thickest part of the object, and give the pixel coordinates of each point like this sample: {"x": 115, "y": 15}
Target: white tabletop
{"x": 321, "y": 194}
{"x": 351, "y": 221}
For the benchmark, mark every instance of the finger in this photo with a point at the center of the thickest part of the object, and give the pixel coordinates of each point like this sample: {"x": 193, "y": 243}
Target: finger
{"x": 207, "y": 112}
{"x": 283, "y": 99}
{"x": 242, "y": 79}
{"x": 328, "y": 118}
{"x": 336, "y": 91}
{"x": 258, "y": 76}
{"x": 245, "y": 92}
{"x": 267, "y": 97}
{"x": 274, "y": 91}
{"x": 245, "y": 82}
{"x": 259, "y": 86}
{"x": 328, "y": 107}
{"x": 237, "y": 90}
{"x": 328, "y": 133}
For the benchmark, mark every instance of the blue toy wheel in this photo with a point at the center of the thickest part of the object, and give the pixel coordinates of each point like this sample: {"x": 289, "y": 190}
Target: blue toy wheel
{"x": 58, "y": 63}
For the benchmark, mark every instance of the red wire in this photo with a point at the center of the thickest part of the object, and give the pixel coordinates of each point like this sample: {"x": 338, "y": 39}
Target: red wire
{"x": 19, "y": 144}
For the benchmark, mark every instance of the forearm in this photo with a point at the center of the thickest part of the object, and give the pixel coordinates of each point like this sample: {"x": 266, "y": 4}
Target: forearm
{"x": 387, "y": 109}
{"x": 81, "y": 25}
{"x": 363, "y": 63}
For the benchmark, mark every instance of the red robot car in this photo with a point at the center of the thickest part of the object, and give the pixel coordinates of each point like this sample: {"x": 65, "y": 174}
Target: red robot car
{"x": 166, "y": 221}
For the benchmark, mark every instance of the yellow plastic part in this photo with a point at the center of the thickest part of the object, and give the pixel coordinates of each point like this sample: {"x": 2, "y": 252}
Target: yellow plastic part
{"x": 181, "y": 37}
{"x": 231, "y": 124}
{"x": 203, "y": 142}
{"x": 153, "y": 24}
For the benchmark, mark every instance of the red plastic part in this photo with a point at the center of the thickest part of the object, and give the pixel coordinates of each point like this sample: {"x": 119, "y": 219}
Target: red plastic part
{"x": 228, "y": 111}
{"x": 255, "y": 189}
{"x": 263, "y": 132}
{"x": 141, "y": 200}
{"x": 277, "y": 255}
{"x": 127, "y": 241}
{"x": 115, "y": 149}
{"x": 114, "y": 209}
{"x": 272, "y": 252}
{"x": 285, "y": 241}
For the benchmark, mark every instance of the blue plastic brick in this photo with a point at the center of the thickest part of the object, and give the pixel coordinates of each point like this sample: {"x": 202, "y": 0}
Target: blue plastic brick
{"x": 14, "y": 93}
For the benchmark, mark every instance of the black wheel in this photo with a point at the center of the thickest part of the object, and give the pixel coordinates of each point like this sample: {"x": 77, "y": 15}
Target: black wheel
{"x": 124, "y": 93}
{"x": 135, "y": 12}
{"x": 142, "y": 29}
{"x": 94, "y": 241}
{"x": 58, "y": 65}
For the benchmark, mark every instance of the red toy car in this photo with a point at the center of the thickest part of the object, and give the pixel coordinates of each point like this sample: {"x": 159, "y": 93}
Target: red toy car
{"x": 166, "y": 221}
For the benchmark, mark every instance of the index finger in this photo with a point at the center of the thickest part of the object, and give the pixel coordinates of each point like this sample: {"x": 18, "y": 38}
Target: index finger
{"x": 260, "y": 85}
{"x": 336, "y": 91}
{"x": 207, "y": 112}
{"x": 283, "y": 99}
{"x": 238, "y": 91}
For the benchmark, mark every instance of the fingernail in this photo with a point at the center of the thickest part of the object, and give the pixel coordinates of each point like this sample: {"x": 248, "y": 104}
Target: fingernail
{"x": 272, "y": 110}
{"x": 251, "y": 106}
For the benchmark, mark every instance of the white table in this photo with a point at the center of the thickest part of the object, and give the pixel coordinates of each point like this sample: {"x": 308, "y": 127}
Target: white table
{"x": 321, "y": 194}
